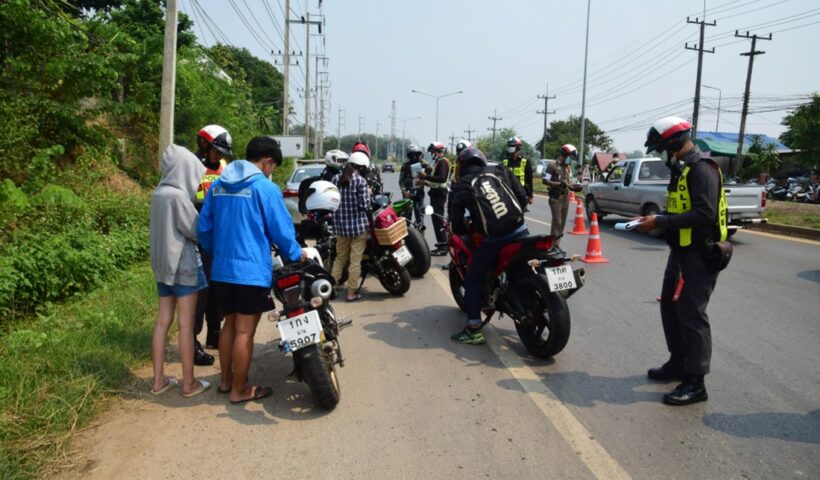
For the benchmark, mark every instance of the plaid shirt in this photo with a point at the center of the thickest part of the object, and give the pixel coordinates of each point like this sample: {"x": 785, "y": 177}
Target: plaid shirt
{"x": 351, "y": 220}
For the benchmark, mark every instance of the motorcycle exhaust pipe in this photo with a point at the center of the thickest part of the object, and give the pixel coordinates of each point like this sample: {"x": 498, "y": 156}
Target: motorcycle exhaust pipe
{"x": 321, "y": 288}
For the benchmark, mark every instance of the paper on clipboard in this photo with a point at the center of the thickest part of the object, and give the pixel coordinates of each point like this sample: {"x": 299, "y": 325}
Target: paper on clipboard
{"x": 415, "y": 169}
{"x": 627, "y": 226}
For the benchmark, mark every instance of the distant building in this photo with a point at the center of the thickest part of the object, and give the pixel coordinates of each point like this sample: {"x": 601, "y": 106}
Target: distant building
{"x": 722, "y": 148}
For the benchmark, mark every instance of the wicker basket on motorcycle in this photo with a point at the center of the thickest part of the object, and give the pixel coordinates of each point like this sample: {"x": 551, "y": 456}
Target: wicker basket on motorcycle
{"x": 392, "y": 234}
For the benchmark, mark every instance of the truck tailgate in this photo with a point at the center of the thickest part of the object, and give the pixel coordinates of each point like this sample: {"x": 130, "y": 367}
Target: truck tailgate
{"x": 744, "y": 200}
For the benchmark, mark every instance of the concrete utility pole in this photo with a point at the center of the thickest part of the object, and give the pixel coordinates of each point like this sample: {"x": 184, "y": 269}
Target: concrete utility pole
{"x": 376, "y": 151}
{"x": 584, "y": 94}
{"x": 751, "y": 54}
{"x": 316, "y": 97}
{"x": 391, "y": 148}
{"x": 545, "y": 112}
{"x": 453, "y": 142}
{"x": 169, "y": 73}
{"x": 698, "y": 47}
{"x": 286, "y": 74}
{"x": 339, "y": 129}
{"x": 495, "y": 118}
{"x": 307, "y": 22}
{"x": 469, "y": 133}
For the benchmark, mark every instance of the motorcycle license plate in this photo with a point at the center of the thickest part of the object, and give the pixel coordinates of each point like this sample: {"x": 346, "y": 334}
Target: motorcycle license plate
{"x": 301, "y": 331}
{"x": 560, "y": 278}
{"x": 403, "y": 255}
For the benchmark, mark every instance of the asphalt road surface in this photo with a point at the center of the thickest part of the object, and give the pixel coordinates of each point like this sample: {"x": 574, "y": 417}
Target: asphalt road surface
{"x": 415, "y": 405}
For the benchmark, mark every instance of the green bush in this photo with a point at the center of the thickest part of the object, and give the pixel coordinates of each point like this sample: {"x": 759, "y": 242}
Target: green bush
{"x": 13, "y": 203}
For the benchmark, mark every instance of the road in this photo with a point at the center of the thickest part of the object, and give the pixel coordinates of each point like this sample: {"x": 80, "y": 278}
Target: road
{"x": 415, "y": 405}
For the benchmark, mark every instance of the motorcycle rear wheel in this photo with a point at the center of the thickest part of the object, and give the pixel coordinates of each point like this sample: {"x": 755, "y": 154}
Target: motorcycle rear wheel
{"x": 394, "y": 278}
{"x": 320, "y": 374}
{"x": 545, "y": 331}
{"x": 417, "y": 245}
{"x": 457, "y": 288}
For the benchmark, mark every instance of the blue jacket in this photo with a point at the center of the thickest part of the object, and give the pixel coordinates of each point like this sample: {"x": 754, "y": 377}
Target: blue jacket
{"x": 243, "y": 215}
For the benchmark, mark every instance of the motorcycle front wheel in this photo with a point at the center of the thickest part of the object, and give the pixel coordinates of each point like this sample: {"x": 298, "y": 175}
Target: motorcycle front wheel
{"x": 394, "y": 278}
{"x": 418, "y": 247}
{"x": 320, "y": 374}
{"x": 545, "y": 330}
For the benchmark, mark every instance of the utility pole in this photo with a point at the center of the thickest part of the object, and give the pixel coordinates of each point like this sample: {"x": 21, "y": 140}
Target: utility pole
{"x": 361, "y": 126}
{"x": 453, "y": 142}
{"x": 169, "y": 73}
{"x": 698, "y": 47}
{"x": 391, "y": 148}
{"x": 286, "y": 74}
{"x": 545, "y": 112}
{"x": 376, "y": 151}
{"x": 307, "y": 22}
{"x": 751, "y": 54}
{"x": 339, "y": 129}
{"x": 316, "y": 99}
{"x": 469, "y": 133}
{"x": 495, "y": 118}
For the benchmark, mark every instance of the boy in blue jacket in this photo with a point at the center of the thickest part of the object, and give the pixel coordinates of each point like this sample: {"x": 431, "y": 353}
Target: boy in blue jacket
{"x": 243, "y": 215}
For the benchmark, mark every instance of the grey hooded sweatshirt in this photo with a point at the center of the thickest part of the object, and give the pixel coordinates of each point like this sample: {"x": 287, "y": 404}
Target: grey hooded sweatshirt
{"x": 174, "y": 255}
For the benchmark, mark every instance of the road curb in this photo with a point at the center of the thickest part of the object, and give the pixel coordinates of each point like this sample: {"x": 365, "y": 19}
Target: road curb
{"x": 791, "y": 230}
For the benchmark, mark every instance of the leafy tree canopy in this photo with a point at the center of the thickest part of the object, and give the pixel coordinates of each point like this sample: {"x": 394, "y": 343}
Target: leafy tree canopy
{"x": 561, "y": 132}
{"x": 804, "y": 131}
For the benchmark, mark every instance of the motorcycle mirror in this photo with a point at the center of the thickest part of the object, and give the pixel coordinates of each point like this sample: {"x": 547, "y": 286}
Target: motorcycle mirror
{"x": 428, "y": 210}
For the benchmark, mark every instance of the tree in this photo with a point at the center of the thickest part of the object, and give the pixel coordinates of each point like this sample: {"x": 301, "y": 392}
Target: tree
{"x": 763, "y": 158}
{"x": 803, "y": 132}
{"x": 497, "y": 151}
{"x": 561, "y": 132}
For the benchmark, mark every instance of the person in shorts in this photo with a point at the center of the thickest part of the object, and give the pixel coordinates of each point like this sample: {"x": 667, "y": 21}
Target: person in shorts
{"x": 243, "y": 215}
{"x": 176, "y": 264}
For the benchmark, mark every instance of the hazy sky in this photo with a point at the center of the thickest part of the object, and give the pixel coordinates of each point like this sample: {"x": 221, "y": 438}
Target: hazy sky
{"x": 502, "y": 54}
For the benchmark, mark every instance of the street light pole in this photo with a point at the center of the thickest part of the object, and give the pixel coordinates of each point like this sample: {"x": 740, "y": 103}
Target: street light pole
{"x": 720, "y": 95}
{"x": 437, "y": 97}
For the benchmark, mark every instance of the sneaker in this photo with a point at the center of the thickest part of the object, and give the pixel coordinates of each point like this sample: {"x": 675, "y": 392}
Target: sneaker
{"x": 470, "y": 337}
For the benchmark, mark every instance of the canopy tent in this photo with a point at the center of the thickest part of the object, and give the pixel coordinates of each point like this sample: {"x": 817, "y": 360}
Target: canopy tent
{"x": 718, "y": 148}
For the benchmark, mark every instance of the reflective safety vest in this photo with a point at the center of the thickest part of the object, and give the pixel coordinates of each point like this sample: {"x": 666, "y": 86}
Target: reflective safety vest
{"x": 680, "y": 201}
{"x": 444, "y": 183}
{"x": 519, "y": 170}
{"x": 208, "y": 179}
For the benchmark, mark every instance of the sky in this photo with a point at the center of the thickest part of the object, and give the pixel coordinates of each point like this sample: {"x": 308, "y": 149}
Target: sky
{"x": 502, "y": 55}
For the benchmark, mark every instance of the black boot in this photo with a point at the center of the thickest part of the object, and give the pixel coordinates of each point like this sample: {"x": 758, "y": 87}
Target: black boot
{"x": 666, "y": 372}
{"x": 212, "y": 339}
{"x": 692, "y": 390}
{"x": 200, "y": 357}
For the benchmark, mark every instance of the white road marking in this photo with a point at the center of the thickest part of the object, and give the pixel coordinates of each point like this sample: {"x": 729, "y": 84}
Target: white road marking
{"x": 781, "y": 237}
{"x": 530, "y": 219}
{"x": 590, "y": 452}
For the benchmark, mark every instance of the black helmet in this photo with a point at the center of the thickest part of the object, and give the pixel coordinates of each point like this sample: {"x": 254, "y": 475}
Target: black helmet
{"x": 414, "y": 149}
{"x": 471, "y": 156}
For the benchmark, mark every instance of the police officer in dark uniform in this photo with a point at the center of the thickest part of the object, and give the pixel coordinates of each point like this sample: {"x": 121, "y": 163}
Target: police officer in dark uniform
{"x": 694, "y": 219}
{"x": 520, "y": 166}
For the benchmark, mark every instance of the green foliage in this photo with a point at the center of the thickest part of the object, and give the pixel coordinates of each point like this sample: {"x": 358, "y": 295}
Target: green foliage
{"x": 561, "y": 132}
{"x": 13, "y": 203}
{"x": 762, "y": 158}
{"x": 497, "y": 151}
{"x": 58, "y": 369}
{"x": 804, "y": 131}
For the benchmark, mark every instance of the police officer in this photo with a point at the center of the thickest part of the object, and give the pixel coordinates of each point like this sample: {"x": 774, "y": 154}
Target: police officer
{"x": 558, "y": 177}
{"x": 695, "y": 216}
{"x": 520, "y": 166}
{"x": 407, "y": 181}
{"x": 436, "y": 178}
{"x": 213, "y": 144}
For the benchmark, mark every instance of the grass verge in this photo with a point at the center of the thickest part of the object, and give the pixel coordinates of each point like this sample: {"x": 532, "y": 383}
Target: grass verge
{"x": 58, "y": 370}
{"x": 792, "y": 213}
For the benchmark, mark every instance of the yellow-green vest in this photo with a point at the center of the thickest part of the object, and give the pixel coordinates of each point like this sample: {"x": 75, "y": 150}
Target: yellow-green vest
{"x": 680, "y": 201}
{"x": 519, "y": 170}
{"x": 208, "y": 179}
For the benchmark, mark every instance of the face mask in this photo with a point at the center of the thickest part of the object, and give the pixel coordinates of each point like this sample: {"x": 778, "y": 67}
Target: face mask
{"x": 510, "y": 149}
{"x": 568, "y": 161}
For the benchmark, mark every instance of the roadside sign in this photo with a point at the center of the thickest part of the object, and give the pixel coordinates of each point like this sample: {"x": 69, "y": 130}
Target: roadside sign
{"x": 292, "y": 146}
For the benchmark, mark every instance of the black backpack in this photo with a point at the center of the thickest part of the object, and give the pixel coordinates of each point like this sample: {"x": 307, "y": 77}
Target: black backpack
{"x": 498, "y": 210}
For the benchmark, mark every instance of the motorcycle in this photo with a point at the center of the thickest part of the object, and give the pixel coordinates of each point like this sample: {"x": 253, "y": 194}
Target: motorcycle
{"x": 308, "y": 326}
{"x": 415, "y": 240}
{"x": 531, "y": 283}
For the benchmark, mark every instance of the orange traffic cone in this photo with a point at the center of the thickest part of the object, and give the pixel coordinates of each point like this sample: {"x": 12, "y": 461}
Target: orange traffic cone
{"x": 571, "y": 196}
{"x": 580, "y": 227}
{"x": 594, "y": 252}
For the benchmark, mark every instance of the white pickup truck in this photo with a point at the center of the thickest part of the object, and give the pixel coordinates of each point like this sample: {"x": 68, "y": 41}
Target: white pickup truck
{"x": 638, "y": 187}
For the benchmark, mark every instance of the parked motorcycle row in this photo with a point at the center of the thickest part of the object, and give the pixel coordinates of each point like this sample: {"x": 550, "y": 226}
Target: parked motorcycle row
{"x": 531, "y": 284}
{"x": 793, "y": 189}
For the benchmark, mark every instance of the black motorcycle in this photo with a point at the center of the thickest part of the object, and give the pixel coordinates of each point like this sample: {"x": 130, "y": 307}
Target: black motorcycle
{"x": 309, "y": 328}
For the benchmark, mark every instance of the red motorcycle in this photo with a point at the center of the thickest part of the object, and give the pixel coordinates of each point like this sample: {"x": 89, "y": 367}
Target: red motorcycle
{"x": 531, "y": 283}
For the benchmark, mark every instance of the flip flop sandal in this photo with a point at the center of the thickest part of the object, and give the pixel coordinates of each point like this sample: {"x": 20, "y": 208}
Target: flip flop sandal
{"x": 353, "y": 299}
{"x": 203, "y": 385}
{"x": 258, "y": 394}
{"x": 171, "y": 382}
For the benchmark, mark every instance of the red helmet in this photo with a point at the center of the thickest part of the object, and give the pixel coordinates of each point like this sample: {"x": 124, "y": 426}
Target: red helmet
{"x": 514, "y": 142}
{"x": 436, "y": 147}
{"x": 217, "y": 137}
{"x": 569, "y": 150}
{"x": 667, "y": 134}
{"x": 361, "y": 147}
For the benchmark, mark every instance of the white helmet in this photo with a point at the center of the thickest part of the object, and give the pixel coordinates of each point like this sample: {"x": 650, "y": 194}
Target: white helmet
{"x": 336, "y": 156}
{"x": 325, "y": 196}
{"x": 360, "y": 159}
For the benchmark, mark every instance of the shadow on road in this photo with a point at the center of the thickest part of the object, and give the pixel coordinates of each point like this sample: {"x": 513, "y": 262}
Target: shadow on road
{"x": 790, "y": 427}
{"x": 810, "y": 275}
{"x": 584, "y": 390}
